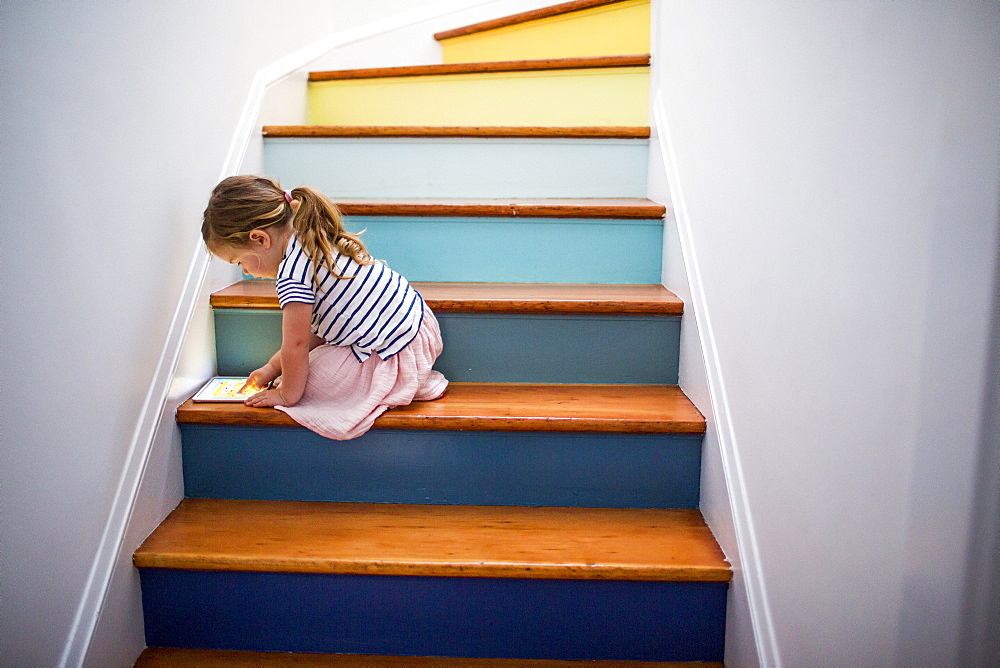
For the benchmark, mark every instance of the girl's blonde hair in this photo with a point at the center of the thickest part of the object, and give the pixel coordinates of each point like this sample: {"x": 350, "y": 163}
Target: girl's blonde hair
{"x": 242, "y": 204}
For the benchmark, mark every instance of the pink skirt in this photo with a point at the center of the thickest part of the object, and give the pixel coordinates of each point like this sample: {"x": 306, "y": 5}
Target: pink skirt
{"x": 343, "y": 397}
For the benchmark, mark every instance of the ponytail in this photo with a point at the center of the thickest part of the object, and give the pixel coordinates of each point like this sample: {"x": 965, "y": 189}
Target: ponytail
{"x": 319, "y": 227}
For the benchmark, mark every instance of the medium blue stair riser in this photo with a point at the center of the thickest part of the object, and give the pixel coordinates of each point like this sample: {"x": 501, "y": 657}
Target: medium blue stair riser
{"x": 443, "y": 467}
{"x": 516, "y": 250}
{"x": 435, "y": 616}
{"x": 639, "y": 350}
{"x": 460, "y": 167}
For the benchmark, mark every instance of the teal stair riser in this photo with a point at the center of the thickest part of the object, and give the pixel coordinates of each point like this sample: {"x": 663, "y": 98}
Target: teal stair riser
{"x": 460, "y": 167}
{"x": 516, "y": 250}
{"x": 640, "y": 350}
{"x": 443, "y": 467}
{"x": 436, "y": 616}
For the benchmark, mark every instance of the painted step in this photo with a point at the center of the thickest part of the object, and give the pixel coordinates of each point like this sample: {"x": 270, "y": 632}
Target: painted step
{"x": 460, "y": 162}
{"x": 516, "y": 407}
{"x": 508, "y": 582}
{"x": 514, "y": 240}
{"x": 519, "y": 298}
{"x": 628, "y": 446}
{"x": 508, "y": 332}
{"x": 170, "y": 657}
{"x": 561, "y": 92}
{"x": 570, "y": 29}
{"x": 623, "y": 208}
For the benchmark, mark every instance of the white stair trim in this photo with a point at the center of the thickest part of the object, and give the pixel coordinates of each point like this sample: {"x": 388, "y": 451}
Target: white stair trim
{"x": 747, "y": 561}
{"x": 112, "y": 550}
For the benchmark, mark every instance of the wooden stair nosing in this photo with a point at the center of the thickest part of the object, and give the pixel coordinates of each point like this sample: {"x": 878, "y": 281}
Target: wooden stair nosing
{"x": 174, "y": 657}
{"x": 490, "y": 131}
{"x": 620, "y": 208}
{"x": 323, "y": 537}
{"x": 523, "y": 17}
{"x": 598, "y": 62}
{"x": 506, "y": 298}
{"x": 522, "y": 407}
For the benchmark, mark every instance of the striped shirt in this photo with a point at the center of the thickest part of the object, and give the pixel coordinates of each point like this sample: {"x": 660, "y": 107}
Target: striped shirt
{"x": 375, "y": 311}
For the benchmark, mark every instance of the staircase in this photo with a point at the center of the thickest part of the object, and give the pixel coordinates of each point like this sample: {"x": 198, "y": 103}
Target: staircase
{"x": 545, "y": 510}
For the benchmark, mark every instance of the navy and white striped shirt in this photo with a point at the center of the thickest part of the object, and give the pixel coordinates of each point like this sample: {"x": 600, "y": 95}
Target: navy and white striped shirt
{"x": 375, "y": 311}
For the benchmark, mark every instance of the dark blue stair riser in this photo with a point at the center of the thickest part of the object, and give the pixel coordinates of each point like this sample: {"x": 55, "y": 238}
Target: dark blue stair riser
{"x": 516, "y": 250}
{"x": 641, "y": 350}
{"x": 443, "y": 467}
{"x": 438, "y": 616}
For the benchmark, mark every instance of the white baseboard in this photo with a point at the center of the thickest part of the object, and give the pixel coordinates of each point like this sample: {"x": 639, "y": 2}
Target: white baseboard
{"x": 149, "y": 425}
{"x": 743, "y": 526}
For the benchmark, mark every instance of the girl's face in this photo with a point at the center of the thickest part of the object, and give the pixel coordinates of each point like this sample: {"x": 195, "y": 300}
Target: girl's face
{"x": 261, "y": 256}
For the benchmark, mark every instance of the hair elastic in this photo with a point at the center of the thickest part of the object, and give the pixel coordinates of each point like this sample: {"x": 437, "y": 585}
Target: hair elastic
{"x": 288, "y": 196}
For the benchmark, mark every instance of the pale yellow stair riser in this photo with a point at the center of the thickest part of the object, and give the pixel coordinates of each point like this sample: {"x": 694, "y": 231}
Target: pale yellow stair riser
{"x": 602, "y": 96}
{"x": 619, "y": 29}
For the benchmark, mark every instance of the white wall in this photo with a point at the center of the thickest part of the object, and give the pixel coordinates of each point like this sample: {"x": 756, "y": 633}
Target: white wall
{"x": 115, "y": 119}
{"x": 414, "y": 44}
{"x": 840, "y": 169}
{"x": 679, "y": 274}
{"x": 839, "y": 162}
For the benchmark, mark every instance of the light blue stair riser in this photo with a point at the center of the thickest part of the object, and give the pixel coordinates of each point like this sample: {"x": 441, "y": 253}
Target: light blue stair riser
{"x": 516, "y": 250}
{"x": 435, "y": 616}
{"x": 443, "y": 467}
{"x": 460, "y": 167}
{"x": 632, "y": 349}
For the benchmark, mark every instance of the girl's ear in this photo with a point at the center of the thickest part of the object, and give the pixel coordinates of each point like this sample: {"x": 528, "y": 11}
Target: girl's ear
{"x": 260, "y": 238}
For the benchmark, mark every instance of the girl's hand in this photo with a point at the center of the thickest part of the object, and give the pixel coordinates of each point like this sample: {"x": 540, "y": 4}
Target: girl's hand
{"x": 260, "y": 378}
{"x": 266, "y": 399}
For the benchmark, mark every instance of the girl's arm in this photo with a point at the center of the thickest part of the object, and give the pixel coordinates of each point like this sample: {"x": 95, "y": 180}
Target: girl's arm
{"x": 264, "y": 376}
{"x": 292, "y": 361}
{"x": 267, "y": 374}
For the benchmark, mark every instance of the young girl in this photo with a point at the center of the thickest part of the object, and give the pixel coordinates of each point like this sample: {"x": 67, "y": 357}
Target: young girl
{"x": 356, "y": 338}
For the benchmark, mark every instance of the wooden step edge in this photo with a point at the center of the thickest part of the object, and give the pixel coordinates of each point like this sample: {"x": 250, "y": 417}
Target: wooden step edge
{"x": 174, "y": 657}
{"x": 597, "y": 62}
{"x": 471, "y": 569}
{"x": 491, "y": 131}
{"x": 317, "y": 537}
{"x": 521, "y": 407}
{"x": 524, "y": 17}
{"x": 500, "y": 298}
{"x": 621, "y": 209}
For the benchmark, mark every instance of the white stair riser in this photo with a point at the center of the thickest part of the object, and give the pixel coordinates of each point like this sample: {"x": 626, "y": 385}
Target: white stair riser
{"x": 460, "y": 167}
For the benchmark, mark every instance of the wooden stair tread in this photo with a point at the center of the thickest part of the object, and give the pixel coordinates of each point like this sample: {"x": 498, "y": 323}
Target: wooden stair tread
{"x": 600, "y": 62}
{"x": 623, "y": 207}
{"x": 627, "y": 409}
{"x": 171, "y": 657}
{"x": 578, "y": 132}
{"x": 523, "y": 17}
{"x": 512, "y": 298}
{"x": 436, "y": 540}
